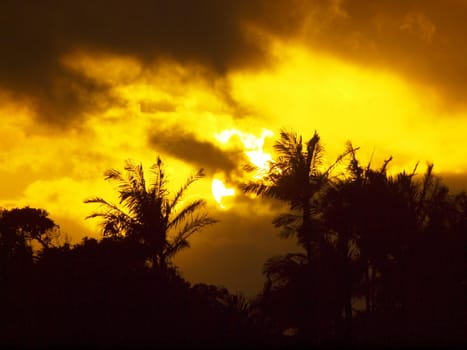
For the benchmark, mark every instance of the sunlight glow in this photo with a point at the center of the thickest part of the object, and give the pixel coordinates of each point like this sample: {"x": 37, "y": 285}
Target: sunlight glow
{"x": 379, "y": 111}
{"x": 253, "y": 147}
{"x": 219, "y": 191}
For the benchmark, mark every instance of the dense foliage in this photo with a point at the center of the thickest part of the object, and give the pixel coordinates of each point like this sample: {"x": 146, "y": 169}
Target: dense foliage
{"x": 383, "y": 263}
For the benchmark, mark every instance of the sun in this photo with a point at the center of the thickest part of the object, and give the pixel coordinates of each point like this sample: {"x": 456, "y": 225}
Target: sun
{"x": 219, "y": 191}
{"x": 253, "y": 149}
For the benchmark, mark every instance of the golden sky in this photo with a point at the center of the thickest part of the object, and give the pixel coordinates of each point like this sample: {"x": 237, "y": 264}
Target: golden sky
{"x": 85, "y": 85}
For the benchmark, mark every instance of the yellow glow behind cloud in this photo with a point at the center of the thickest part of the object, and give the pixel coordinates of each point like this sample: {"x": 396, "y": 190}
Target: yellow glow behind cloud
{"x": 253, "y": 146}
{"x": 219, "y": 191}
{"x": 376, "y": 110}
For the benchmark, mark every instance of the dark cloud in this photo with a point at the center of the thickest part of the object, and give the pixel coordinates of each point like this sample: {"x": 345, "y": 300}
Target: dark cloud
{"x": 424, "y": 40}
{"x": 30, "y": 68}
{"x": 36, "y": 34}
{"x": 186, "y": 146}
{"x": 233, "y": 251}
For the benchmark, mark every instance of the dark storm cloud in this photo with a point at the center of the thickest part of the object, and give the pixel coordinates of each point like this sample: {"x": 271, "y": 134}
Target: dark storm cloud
{"x": 35, "y": 34}
{"x": 30, "y": 68}
{"x": 425, "y": 40}
{"x": 186, "y": 146}
{"x": 422, "y": 39}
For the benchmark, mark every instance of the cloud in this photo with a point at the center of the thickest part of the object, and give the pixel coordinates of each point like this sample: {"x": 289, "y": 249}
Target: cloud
{"x": 148, "y": 106}
{"x": 419, "y": 24}
{"x": 456, "y": 182}
{"x": 188, "y": 147}
{"x": 36, "y": 35}
{"x": 233, "y": 251}
{"x": 421, "y": 40}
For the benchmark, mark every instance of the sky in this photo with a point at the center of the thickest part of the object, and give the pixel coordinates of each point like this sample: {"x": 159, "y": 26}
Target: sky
{"x": 86, "y": 85}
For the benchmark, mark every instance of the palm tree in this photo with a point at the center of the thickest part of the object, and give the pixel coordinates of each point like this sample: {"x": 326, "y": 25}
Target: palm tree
{"x": 301, "y": 281}
{"x": 297, "y": 178}
{"x": 148, "y": 215}
{"x": 389, "y": 221}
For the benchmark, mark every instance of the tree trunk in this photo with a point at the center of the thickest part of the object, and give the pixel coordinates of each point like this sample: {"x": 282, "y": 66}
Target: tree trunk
{"x": 369, "y": 306}
{"x": 306, "y": 228}
{"x": 347, "y": 289}
{"x": 348, "y": 302}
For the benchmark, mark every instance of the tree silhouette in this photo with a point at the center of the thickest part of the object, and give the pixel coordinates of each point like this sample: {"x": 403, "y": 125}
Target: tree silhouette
{"x": 369, "y": 218}
{"x": 297, "y": 178}
{"x": 148, "y": 216}
{"x": 29, "y": 224}
{"x": 395, "y": 238}
{"x": 396, "y": 241}
{"x": 390, "y": 239}
{"x": 20, "y": 228}
{"x": 300, "y": 284}
{"x": 23, "y": 232}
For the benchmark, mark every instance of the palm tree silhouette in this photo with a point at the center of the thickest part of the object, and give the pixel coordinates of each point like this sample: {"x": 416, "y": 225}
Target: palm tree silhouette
{"x": 148, "y": 215}
{"x": 297, "y": 178}
{"x": 393, "y": 223}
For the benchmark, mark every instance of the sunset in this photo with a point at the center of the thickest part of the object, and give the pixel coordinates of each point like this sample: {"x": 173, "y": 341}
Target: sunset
{"x": 86, "y": 86}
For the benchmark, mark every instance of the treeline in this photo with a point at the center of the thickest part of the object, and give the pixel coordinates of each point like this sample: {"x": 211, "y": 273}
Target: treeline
{"x": 384, "y": 259}
{"x": 383, "y": 263}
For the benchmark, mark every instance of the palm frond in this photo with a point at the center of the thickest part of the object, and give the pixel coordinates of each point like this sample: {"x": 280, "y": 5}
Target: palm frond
{"x": 249, "y": 168}
{"x": 385, "y": 165}
{"x": 180, "y": 240}
{"x": 139, "y": 175}
{"x": 354, "y": 166}
{"x": 176, "y": 246}
{"x": 427, "y": 181}
{"x": 414, "y": 171}
{"x": 285, "y": 219}
{"x": 197, "y": 176}
{"x": 158, "y": 189}
{"x": 145, "y": 213}
{"x": 349, "y": 150}
{"x": 134, "y": 184}
{"x": 195, "y": 224}
{"x": 188, "y": 210}
{"x": 288, "y": 231}
{"x": 113, "y": 174}
{"x": 114, "y": 223}
{"x": 261, "y": 189}
{"x": 288, "y": 223}
{"x": 135, "y": 199}
{"x": 282, "y": 267}
{"x": 254, "y": 187}
{"x": 239, "y": 303}
{"x": 288, "y": 145}
{"x": 103, "y": 203}
{"x": 313, "y": 154}
{"x": 98, "y": 200}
